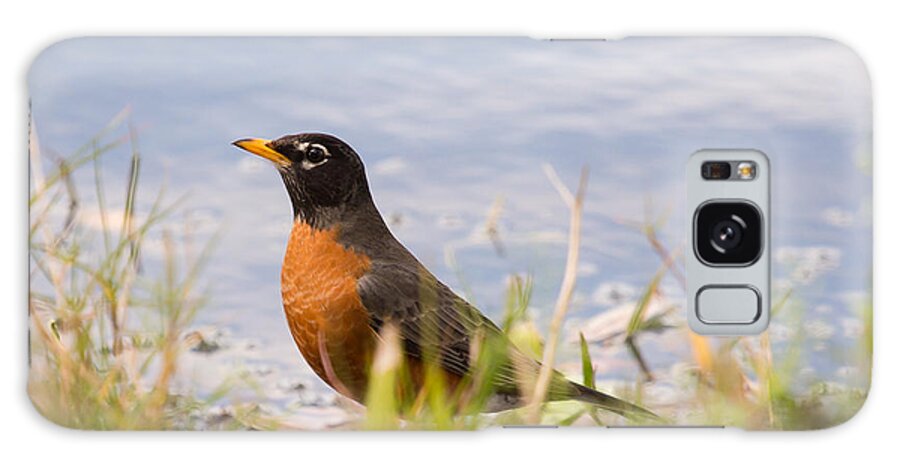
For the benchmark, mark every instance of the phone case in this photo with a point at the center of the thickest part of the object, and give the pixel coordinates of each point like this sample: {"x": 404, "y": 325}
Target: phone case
{"x": 436, "y": 233}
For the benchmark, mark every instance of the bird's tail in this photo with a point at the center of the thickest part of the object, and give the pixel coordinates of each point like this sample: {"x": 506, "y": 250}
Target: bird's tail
{"x": 612, "y": 404}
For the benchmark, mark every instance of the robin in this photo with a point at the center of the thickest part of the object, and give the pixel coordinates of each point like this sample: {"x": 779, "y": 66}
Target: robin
{"x": 345, "y": 277}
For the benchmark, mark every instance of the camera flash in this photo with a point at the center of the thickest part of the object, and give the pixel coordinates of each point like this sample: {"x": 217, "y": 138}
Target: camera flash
{"x": 746, "y": 170}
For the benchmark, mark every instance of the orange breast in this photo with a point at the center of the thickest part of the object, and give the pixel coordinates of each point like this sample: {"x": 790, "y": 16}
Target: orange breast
{"x": 324, "y": 312}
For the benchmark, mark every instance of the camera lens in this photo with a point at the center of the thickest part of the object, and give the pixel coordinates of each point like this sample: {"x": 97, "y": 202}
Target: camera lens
{"x": 728, "y": 233}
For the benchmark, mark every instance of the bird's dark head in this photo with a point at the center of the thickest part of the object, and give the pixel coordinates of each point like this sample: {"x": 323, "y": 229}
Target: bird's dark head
{"x": 322, "y": 174}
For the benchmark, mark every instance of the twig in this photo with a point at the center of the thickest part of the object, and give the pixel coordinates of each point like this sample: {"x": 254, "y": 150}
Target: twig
{"x": 575, "y": 203}
{"x": 635, "y": 324}
{"x": 639, "y": 358}
{"x": 664, "y": 253}
{"x": 492, "y": 227}
{"x": 71, "y": 215}
{"x": 649, "y": 228}
{"x": 330, "y": 373}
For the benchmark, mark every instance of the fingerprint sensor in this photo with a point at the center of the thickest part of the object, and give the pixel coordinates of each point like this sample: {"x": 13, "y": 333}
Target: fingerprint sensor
{"x": 728, "y": 304}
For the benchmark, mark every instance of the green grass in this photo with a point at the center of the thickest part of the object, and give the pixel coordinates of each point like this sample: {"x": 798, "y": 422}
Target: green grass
{"x": 106, "y": 335}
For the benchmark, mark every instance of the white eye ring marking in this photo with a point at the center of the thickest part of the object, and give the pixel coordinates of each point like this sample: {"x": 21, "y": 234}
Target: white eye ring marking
{"x": 306, "y": 164}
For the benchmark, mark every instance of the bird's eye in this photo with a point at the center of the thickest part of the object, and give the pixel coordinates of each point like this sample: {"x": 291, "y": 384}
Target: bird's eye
{"x": 315, "y": 155}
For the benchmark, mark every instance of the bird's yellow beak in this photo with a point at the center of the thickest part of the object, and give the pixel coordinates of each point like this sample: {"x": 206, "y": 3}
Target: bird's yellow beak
{"x": 260, "y": 147}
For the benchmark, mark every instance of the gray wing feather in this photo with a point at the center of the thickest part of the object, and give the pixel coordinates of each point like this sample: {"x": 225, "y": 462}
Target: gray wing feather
{"x": 434, "y": 322}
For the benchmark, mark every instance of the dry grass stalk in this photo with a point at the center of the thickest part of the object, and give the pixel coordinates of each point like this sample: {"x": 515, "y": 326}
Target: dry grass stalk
{"x": 91, "y": 368}
{"x": 120, "y": 309}
{"x": 492, "y": 225}
{"x": 575, "y": 203}
{"x": 382, "y": 402}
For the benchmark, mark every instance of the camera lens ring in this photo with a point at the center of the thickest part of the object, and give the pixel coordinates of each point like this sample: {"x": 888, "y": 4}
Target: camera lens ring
{"x": 743, "y": 243}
